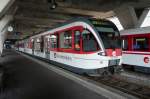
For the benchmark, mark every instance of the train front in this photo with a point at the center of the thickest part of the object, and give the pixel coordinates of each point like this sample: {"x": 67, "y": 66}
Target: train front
{"x": 110, "y": 43}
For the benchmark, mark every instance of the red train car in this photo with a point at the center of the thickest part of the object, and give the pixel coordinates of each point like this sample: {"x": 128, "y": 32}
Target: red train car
{"x": 136, "y": 48}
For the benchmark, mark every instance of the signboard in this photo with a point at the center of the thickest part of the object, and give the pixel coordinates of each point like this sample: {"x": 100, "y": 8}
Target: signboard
{"x": 99, "y": 22}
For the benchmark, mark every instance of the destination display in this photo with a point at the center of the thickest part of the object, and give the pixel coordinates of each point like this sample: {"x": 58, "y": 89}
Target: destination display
{"x": 99, "y": 22}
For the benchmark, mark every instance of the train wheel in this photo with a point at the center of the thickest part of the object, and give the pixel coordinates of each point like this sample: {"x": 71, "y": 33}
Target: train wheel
{"x": 111, "y": 69}
{"x": 85, "y": 74}
{"x": 118, "y": 69}
{"x": 105, "y": 73}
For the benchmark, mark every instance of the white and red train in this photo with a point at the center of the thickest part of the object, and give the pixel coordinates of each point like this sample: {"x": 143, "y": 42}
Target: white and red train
{"x": 136, "y": 49}
{"x": 85, "y": 46}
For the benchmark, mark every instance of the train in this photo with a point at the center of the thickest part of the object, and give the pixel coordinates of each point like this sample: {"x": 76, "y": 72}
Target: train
{"x": 82, "y": 45}
{"x": 136, "y": 49}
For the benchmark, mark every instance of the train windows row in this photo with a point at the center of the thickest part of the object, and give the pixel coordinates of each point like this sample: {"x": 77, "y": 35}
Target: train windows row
{"x": 136, "y": 43}
{"x": 69, "y": 41}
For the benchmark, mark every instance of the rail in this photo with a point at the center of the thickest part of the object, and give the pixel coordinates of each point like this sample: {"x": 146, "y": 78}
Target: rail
{"x": 134, "y": 89}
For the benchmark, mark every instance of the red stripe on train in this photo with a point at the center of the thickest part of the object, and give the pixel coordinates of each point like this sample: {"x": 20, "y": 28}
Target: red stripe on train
{"x": 111, "y": 52}
{"x": 136, "y": 53}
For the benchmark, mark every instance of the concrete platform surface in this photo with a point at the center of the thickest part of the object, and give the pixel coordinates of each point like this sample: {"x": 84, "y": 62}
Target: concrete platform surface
{"x": 26, "y": 79}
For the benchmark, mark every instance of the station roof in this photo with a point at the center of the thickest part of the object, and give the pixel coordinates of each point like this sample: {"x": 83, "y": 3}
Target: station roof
{"x": 33, "y": 16}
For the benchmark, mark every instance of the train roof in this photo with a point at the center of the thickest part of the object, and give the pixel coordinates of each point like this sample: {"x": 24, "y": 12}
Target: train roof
{"x": 142, "y": 30}
{"x": 81, "y": 19}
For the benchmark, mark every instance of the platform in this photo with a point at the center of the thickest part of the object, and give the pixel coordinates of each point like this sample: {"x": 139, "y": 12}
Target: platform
{"x": 26, "y": 79}
{"x": 29, "y": 78}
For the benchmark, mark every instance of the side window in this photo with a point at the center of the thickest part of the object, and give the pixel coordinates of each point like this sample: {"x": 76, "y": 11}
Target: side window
{"x": 37, "y": 44}
{"x": 140, "y": 43}
{"x": 89, "y": 42}
{"x": 26, "y": 43}
{"x": 66, "y": 40}
{"x": 42, "y": 44}
{"x": 77, "y": 40}
{"x": 47, "y": 43}
{"x": 32, "y": 44}
{"x": 125, "y": 44}
{"x": 29, "y": 43}
{"x": 54, "y": 41}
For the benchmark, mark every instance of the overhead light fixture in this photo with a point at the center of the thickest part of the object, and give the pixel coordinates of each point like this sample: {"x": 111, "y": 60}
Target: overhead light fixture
{"x": 53, "y": 4}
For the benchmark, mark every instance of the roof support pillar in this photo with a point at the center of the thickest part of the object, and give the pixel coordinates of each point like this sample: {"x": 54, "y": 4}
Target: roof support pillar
{"x": 4, "y": 6}
{"x": 142, "y": 17}
{"x": 127, "y": 17}
{"x": 4, "y": 22}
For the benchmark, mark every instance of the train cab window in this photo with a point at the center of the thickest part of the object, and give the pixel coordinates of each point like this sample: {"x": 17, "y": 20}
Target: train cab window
{"x": 77, "y": 40}
{"x": 125, "y": 44}
{"x": 140, "y": 43}
{"x": 66, "y": 40}
{"x": 54, "y": 41}
{"x": 89, "y": 42}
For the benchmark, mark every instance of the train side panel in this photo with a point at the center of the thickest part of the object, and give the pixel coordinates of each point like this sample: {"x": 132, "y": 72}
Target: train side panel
{"x": 137, "y": 59}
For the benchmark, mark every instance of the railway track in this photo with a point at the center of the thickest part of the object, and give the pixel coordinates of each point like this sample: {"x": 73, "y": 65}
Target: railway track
{"x": 137, "y": 90}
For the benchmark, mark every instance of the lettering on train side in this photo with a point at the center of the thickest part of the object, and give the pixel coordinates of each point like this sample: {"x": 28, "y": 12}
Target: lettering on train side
{"x": 62, "y": 57}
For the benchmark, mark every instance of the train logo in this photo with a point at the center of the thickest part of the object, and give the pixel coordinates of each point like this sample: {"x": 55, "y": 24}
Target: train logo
{"x": 146, "y": 59}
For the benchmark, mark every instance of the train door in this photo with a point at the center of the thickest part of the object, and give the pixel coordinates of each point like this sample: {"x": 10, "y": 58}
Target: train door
{"x": 47, "y": 48}
{"x": 77, "y": 39}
